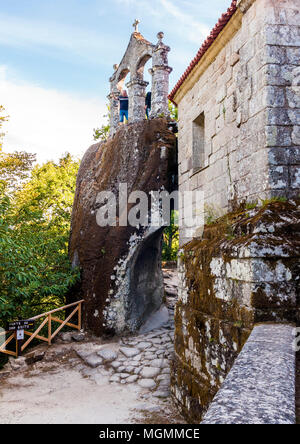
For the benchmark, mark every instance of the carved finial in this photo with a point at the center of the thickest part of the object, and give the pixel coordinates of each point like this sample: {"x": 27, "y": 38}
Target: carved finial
{"x": 116, "y": 67}
{"x": 160, "y": 36}
{"x": 136, "y": 25}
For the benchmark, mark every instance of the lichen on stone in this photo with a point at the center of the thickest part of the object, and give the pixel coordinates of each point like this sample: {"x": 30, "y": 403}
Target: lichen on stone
{"x": 112, "y": 258}
{"x": 243, "y": 270}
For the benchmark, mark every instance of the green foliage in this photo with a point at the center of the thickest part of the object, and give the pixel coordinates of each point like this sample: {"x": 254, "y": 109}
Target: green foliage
{"x": 102, "y": 133}
{"x": 35, "y": 272}
{"x": 212, "y": 214}
{"x": 251, "y": 205}
{"x": 2, "y": 120}
{"x": 173, "y": 110}
{"x": 14, "y": 169}
{"x": 171, "y": 240}
{"x": 238, "y": 324}
{"x": 272, "y": 200}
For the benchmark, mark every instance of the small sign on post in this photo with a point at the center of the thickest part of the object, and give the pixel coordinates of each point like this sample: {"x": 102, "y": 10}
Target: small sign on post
{"x": 20, "y": 325}
{"x": 20, "y": 335}
{"x": 19, "y": 328}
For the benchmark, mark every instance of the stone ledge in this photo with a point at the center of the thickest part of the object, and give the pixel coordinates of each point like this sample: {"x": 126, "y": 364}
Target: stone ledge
{"x": 260, "y": 388}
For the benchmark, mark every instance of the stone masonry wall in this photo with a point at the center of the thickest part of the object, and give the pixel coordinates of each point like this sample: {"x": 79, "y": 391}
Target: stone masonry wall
{"x": 250, "y": 99}
{"x": 245, "y": 270}
{"x": 282, "y": 77}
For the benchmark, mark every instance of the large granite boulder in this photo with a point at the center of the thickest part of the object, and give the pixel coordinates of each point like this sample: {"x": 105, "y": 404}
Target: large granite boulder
{"x": 122, "y": 281}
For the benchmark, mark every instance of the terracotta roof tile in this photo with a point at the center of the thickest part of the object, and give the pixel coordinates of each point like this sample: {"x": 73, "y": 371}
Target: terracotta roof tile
{"x": 222, "y": 22}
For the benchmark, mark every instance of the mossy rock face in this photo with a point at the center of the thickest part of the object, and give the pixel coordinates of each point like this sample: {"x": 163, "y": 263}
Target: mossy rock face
{"x": 121, "y": 277}
{"x": 245, "y": 269}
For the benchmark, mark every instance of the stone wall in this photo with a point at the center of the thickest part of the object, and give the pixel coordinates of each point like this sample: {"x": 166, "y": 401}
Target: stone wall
{"x": 282, "y": 77}
{"x": 247, "y": 88}
{"x": 260, "y": 388}
{"x": 245, "y": 270}
{"x": 239, "y": 116}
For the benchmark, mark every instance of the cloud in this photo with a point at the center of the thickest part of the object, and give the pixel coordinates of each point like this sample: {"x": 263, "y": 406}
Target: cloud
{"x": 24, "y": 33}
{"x": 194, "y": 29}
{"x": 143, "y": 7}
{"x": 172, "y": 16}
{"x": 46, "y": 121}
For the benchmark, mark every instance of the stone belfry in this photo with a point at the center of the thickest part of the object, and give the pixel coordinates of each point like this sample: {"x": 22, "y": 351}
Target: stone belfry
{"x": 138, "y": 52}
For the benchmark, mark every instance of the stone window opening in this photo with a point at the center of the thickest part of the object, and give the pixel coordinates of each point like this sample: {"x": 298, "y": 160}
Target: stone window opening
{"x": 144, "y": 73}
{"x": 123, "y": 80}
{"x": 140, "y": 70}
{"x": 199, "y": 143}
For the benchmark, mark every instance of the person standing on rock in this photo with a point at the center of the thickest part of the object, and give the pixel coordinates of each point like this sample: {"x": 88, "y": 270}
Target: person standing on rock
{"x": 124, "y": 105}
{"x": 148, "y": 104}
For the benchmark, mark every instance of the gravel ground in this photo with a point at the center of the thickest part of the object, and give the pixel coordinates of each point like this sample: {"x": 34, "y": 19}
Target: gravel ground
{"x": 57, "y": 393}
{"x": 121, "y": 381}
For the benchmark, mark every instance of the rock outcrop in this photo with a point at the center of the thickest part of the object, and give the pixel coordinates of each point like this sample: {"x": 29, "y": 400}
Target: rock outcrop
{"x": 122, "y": 281}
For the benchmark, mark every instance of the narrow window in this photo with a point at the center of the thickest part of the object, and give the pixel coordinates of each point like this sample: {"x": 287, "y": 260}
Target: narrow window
{"x": 198, "y": 142}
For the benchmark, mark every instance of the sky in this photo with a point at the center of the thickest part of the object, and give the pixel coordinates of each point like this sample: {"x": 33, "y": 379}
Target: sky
{"x": 56, "y": 58}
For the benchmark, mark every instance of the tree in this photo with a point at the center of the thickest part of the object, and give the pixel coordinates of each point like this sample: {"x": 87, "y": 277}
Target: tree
{"x": 15, "y": 168}
{"x": 102, "y": 133}
{"x": 173, "y": 110}
{"x": 50, "y": 191}
{"x": 35, "y": 272}
{"x": 2, "y": 120}
{"x": 171, "y": 240}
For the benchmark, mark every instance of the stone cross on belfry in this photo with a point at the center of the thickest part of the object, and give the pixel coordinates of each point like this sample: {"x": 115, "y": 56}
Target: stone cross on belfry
{"x": 136, "y": 25}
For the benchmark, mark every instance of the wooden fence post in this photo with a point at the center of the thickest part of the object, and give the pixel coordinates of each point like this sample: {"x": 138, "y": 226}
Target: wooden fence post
{"x": 79, "y": 316}
{"x": 49, "y": 329}
{"x": 17, "y": 346}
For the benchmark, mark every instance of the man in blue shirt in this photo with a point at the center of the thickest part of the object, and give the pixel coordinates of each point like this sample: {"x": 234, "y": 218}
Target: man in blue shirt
{"x": 124, "y": 102}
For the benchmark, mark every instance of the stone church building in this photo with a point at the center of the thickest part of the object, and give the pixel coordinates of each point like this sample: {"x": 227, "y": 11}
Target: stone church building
{"x": 239, "y": 118}
{"x": 239, "y": 143}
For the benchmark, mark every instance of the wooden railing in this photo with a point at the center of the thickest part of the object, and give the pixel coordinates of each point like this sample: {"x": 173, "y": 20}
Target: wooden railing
{"x": 49, "y": 318}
